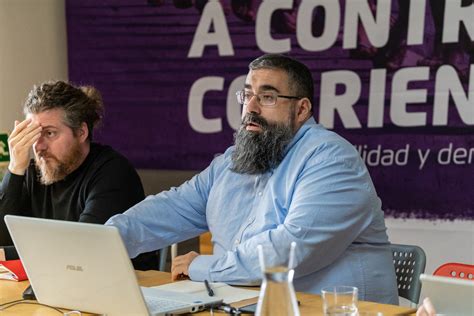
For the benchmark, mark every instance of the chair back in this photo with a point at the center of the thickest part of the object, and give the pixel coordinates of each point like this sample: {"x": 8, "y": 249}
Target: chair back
{"x": 456, "y": 270}
{"x": 409, "y": 262}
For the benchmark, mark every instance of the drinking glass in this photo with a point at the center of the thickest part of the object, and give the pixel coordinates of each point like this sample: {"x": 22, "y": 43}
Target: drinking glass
{"x": 339, "y": 300}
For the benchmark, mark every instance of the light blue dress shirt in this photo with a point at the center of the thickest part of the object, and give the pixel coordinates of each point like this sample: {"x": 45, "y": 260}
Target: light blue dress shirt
{"x": 320, "y": 196}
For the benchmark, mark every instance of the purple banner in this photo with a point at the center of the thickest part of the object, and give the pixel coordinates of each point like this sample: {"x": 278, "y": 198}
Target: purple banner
{"x": 389, "y": 77}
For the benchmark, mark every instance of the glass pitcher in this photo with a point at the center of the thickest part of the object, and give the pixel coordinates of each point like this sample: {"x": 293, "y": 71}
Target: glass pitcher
{"x": 277, "y": 294}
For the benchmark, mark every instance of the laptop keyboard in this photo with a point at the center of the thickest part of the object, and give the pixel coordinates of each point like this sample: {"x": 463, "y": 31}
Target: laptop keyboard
{"x": 162, "y": 305}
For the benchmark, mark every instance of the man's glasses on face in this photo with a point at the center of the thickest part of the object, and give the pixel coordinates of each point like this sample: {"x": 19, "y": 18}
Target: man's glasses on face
{"x": 268, "y": 98}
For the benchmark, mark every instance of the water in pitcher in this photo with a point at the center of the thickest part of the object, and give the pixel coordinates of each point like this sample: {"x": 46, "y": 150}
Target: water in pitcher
{"x": 277, "y": 294}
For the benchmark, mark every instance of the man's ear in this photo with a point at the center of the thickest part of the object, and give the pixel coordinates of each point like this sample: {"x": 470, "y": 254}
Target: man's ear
{"x": 83, "y": 132}
{"x": 304, "y": 110}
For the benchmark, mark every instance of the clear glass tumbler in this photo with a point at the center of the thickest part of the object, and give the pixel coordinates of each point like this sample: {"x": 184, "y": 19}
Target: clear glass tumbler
{"x": 340, "y": 301}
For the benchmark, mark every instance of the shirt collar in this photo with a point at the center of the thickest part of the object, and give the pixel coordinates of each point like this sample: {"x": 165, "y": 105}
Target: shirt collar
{"x": 310, "y": 123}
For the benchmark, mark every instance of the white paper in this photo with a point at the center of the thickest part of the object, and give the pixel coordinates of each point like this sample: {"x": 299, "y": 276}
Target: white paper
{"x": 223, "y": 291}
{"x": 7, "y": 274}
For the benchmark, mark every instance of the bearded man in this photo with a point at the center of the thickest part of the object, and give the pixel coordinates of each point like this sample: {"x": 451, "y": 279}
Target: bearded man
{"x": 70, "y": 178}
{"x": 287, "y": 179}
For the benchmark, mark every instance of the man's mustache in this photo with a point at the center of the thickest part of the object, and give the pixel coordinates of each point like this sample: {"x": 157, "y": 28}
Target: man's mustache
{"x": 45, "y": 155}
{"x": 255, "y": 119}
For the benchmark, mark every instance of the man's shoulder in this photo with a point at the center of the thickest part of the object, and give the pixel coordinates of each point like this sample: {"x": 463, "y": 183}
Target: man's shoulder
{"x": 109, "y": 166}
{"x": 319, "y": 139}
{"x": 223, "y": 159}
{"x": 100, "y": 152}
{"x": 104, "y": 156}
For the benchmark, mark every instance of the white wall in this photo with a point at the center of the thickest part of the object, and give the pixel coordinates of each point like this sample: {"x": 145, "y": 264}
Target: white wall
{"x": 33, "y": 49}
{"x": 443, "y": 241}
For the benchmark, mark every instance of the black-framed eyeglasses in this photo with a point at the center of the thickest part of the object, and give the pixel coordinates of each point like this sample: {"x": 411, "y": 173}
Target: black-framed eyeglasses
{"x": 268, "y": 98}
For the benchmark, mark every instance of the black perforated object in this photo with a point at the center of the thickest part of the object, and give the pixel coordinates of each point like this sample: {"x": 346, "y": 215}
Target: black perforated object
{"x": 409, "y": 262}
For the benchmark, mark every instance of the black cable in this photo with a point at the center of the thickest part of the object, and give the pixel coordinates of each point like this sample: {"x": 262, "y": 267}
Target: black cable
{"x": 228, "y": 309}
{"x": 225, "y": 308}
{"x": 1, "y": 305}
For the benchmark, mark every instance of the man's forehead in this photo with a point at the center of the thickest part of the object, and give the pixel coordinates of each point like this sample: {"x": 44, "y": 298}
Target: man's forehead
{"x": 52, "y": 117}
{"x": 267, "y": 79}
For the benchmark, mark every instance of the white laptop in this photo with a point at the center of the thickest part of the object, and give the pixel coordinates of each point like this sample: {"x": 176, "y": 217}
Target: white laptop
{"x": 450, "y": 296}
{"x": 85, "y": 267}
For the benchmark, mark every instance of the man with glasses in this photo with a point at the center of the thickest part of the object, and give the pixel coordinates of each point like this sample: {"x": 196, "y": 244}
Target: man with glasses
{"x": 286, "y": 179}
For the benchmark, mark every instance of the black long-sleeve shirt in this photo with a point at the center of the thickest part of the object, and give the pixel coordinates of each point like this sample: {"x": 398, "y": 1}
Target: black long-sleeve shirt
{"x": 104, "y": 185}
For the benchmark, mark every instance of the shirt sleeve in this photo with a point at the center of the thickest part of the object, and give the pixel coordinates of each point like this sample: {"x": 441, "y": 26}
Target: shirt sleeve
{"x": 14, "y": 200}
{"x": 114, "y": 188}
{"x": 166, "y": 218}
{"x": 332, "y": 203}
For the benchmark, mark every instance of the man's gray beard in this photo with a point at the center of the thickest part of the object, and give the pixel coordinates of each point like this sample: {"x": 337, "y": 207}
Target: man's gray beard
{"x": 258, "y": 152}
{"x": 49, "y": 174}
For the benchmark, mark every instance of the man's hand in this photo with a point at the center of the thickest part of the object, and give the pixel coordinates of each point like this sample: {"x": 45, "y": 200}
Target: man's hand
{"x": 24, "y": 135}
{"x": 426, "y": 309}
{"x": 180, "y": 265}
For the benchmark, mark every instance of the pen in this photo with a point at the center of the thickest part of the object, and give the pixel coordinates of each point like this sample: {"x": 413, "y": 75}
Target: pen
{"x": 208, "y": 288}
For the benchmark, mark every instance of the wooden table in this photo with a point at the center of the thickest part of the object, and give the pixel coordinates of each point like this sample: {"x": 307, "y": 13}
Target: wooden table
{"x": 310, "y": 304}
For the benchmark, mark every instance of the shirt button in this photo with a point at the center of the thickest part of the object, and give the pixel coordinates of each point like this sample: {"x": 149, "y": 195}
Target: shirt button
{"x": 259, "y": 193}
{"x": 237, "y": 241}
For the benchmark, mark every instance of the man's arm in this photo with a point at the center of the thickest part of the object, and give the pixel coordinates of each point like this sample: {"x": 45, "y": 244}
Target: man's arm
{"x": 168, "y": 217}
{"x": 14, "y": 199}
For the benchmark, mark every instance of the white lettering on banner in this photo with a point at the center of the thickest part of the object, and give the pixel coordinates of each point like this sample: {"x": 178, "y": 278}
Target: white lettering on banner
{"x": 195, "y": 105}
{"x": 265, "y": 41}
{"x": 376, "y": 97}
{"x": 378, "y": 156}
{"x": 384, "y": 157}
{"x": 341, "y": 89}
{"x": 423, "y": 157}
{"x": 342, "y": 103}
{"x": 416, "y": 22}
{"x": 458, "y": 156}
{"x": 377, "y": 29}
{"x": 374, "y": 22}
{"x": 196, "y": 117}
{"x": 447, "y": 83}
{"x": 304, "y": 23}
{"x": 454, "y": 14}
{"x": 402, "y": 96}
{"x": 234, "y": 109}
{"x": 212, "y": 15}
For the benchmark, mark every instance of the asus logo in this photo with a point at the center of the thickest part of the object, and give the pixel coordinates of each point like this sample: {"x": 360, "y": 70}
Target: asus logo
{"x": 74, "y": 268}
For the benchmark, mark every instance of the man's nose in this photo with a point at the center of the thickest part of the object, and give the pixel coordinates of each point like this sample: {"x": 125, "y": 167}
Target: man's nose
{"x": 252, "y": 106}
{"x": 40, "y": 144}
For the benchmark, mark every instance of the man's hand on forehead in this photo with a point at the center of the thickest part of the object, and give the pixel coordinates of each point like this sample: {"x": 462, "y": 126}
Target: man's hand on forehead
{"x": 22, "y": 138}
